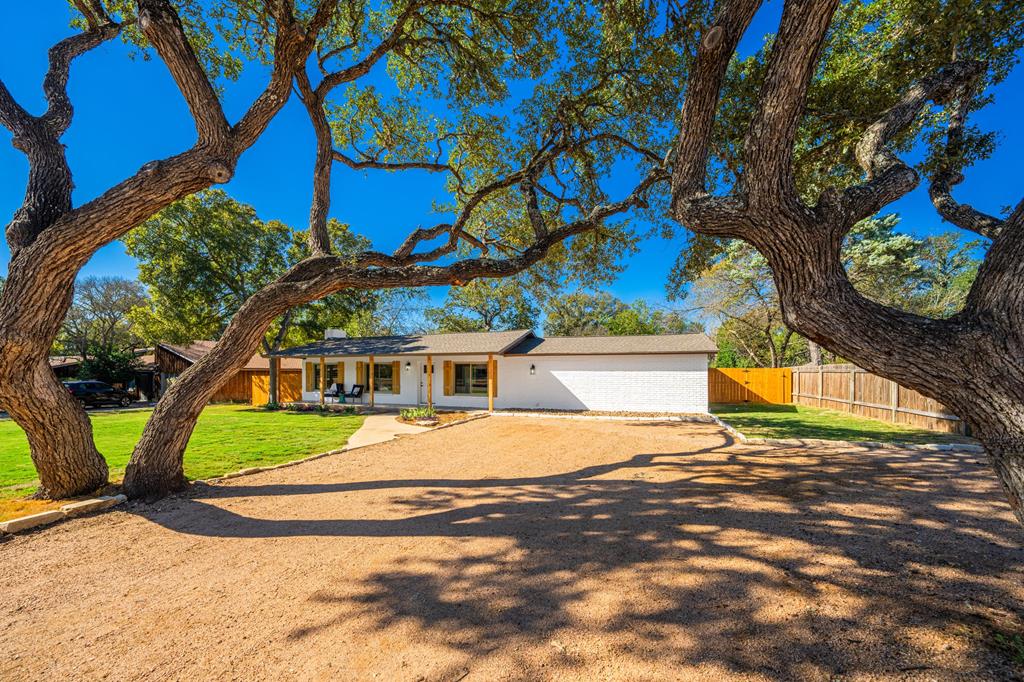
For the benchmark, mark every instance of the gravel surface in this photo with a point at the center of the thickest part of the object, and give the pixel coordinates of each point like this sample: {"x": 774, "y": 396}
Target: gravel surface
{"x": 528, "y": 549}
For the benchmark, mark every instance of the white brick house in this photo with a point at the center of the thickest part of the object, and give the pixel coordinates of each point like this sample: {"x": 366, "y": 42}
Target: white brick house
{"x": 515, "y": 369}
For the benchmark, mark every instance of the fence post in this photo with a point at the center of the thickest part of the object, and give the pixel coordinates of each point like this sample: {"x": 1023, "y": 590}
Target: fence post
{"x": 853, "y": 388}
{"x": 821, "y": 385}
{"x": 795, "y": 388}
{"x": 894, "y": 397}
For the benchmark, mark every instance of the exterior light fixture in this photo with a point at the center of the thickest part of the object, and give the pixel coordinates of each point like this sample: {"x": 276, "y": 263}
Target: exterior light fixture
{"x": 408, "y": 365}
{"x": 533, "y": 369}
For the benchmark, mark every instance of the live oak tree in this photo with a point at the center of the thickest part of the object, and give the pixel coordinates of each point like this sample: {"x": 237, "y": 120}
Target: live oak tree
{"x": 485, "y": 305}
{"x": 202, "y": 257}
{"x": 928, "y": 276}
{"x": 50, "y": 239}
{"x": 522, "y": 186}
{"x": 581, "y": 314}
{"x": 99, "y": 320}
{"x": 790, "y": 154}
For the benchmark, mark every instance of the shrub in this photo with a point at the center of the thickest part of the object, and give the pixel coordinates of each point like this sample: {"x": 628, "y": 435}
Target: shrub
{"x": 419, "y": 413}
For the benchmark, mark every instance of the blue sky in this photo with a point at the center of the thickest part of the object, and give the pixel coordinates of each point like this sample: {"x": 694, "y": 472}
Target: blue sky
{"x": 128, "y": 112}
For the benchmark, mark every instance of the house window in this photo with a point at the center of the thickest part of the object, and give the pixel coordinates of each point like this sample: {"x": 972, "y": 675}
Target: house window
{"x": 471, "y": 379}
{"x": 332, "y": 376}
{"x": 384, "y": 377}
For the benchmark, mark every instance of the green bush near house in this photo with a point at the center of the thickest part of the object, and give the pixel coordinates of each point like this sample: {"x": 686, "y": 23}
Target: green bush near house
{"x": 226, "y": 438}
{"x": 418, "y": 413}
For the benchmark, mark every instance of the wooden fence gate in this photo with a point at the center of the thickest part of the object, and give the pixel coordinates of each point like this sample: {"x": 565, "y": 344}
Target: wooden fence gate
{"x": 289, "y": 387}
{"x": 750, "y": 385}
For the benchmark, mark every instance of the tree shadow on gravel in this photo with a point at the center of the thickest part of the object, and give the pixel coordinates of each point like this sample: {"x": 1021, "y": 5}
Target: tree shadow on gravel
{"x": 790, "y": 563}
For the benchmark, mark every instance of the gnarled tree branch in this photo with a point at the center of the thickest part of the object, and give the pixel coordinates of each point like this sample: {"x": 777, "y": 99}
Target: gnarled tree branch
{"x": 887, "y": 176}
{"x": 940, "y": 189}
{"x": 160, "y": 23}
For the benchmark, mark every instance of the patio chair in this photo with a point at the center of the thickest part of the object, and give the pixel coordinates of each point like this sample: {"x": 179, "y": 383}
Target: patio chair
{"x": 333, "y": 392}
{"x": 356, "y": 393}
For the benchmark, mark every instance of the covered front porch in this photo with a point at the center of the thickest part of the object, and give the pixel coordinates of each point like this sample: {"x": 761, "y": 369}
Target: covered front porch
{"x": 464, "y": 381}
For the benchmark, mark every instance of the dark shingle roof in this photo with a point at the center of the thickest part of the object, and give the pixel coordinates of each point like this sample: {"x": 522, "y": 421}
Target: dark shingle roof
{"x": 615, "y": 345}
{"x": 519, "y": 342}
{"x": 197, "y": 349}
{"x": 464, "y": 343}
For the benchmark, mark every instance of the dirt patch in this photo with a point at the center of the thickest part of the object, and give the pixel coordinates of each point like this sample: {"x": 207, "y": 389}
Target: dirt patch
{"x": 524, "y": 548}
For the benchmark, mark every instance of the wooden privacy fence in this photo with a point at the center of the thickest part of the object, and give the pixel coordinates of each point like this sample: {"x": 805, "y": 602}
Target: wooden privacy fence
{"x": 289, "y": 387}
{"x": 750, "y": 385}
{"x": 849, "y": 388}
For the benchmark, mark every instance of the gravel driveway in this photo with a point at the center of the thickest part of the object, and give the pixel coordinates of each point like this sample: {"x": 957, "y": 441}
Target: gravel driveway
{"x": 528, "y": 548}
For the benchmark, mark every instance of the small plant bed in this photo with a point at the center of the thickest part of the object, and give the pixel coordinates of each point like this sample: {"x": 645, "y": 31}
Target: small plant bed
{"x": 425, "y": 416}
{"x": 326, "y": 408}
{"x": 803, "y": 422}
{"x": 227, "y": 438}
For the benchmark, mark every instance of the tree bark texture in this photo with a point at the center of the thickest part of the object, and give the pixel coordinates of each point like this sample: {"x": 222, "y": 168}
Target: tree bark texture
{"x": 970, "y": 362}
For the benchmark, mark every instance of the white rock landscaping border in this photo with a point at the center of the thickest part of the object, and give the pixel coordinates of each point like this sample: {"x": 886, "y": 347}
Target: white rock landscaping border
{"x": 696, "y": 418}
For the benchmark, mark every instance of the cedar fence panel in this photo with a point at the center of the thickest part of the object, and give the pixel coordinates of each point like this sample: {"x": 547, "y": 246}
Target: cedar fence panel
{"x": 848, "y": 388}
{"x": 750, "y": 385}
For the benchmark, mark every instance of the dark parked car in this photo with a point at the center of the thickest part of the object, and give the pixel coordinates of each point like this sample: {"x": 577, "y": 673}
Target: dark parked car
{"x": 96, "y": 393}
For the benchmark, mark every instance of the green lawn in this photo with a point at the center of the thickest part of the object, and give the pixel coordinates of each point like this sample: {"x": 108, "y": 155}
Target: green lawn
{"x": 227, "y": 438}
{"x": 800, "y": 421}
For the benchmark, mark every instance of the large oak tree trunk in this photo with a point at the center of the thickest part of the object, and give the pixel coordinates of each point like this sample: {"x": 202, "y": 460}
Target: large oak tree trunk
{"x": 971, "y": 363}
{"x": 59, "y": 432}
{"x": 50, "y": 240}
{"x": 156, "y": 467}
{"x": 32, "y": 306}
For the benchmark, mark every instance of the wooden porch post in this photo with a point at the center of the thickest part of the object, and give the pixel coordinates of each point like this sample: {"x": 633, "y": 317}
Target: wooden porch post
{"x": 323, "y": 379}
{"x": 490, "y": 383}
{"x": 430, "y": 381}
{"x": 371, "y": 381}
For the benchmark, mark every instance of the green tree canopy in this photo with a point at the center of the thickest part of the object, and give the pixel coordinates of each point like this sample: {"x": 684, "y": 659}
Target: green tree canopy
{"x": 601, "y": 314}
{"x": 485, "y": 305}
{"x": 201, "y": 258}
{"x": 99, "y": 320}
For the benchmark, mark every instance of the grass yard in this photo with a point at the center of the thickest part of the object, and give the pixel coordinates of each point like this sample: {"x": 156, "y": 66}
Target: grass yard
{"x": 800, "y": 421}
{"x": 227, "y": 438}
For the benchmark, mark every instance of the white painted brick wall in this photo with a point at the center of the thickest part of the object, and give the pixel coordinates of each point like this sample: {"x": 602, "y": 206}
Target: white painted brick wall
{"x": 628, "y": 383}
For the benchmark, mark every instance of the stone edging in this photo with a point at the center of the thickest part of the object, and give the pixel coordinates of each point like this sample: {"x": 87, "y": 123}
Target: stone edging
{"x": 795, "y": 442}
{"x": 67, "y": 511}
{"x": 470, "y": 418}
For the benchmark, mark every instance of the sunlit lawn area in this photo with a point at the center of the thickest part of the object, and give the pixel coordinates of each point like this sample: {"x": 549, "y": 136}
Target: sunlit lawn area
{"x": 800, "y": 421}
{"x": 227, "y": 438}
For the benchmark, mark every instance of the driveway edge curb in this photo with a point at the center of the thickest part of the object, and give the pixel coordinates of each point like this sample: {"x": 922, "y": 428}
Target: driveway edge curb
{"x": 68, "y": 511}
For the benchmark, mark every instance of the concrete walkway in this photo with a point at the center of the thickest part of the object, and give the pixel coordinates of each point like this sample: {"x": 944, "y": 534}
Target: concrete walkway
{"x": 378, "y": 428}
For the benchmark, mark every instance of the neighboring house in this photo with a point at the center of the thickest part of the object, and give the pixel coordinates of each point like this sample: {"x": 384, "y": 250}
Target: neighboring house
{"x": 144, "y": 384}
{"x": 173, "y": 359}
{"x": 515, "y": 369}
{"x": 65, "y": 366}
